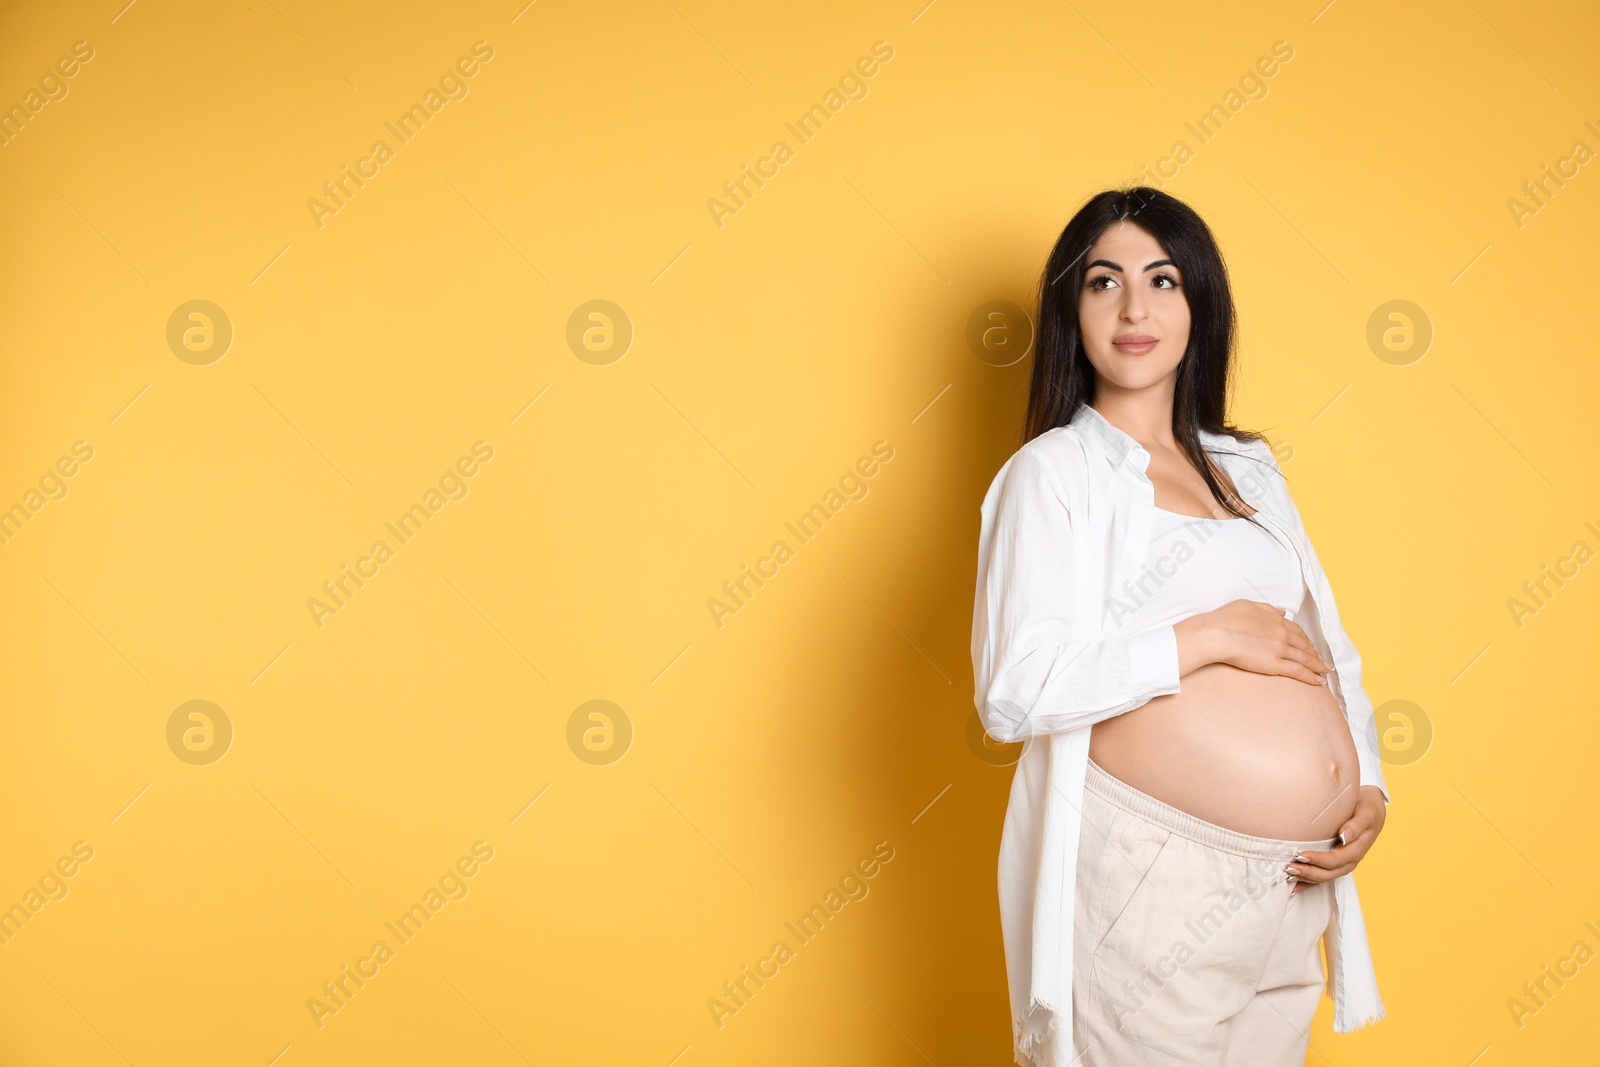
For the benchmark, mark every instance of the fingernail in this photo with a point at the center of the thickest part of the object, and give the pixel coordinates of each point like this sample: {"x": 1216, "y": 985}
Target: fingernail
{"x": 1291, "y": 871}
{"x": 1300, "y": 858}
{"x": 1341, "y": 837}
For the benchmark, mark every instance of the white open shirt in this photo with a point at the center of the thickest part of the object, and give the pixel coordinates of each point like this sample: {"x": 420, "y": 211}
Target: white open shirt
{"x": 1065, "y": 523}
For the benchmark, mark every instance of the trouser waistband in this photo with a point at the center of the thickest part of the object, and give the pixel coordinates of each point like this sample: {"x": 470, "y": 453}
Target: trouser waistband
{"x": 1103, "y": 784}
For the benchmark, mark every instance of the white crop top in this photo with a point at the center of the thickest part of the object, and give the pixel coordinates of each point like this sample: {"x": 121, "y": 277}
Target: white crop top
{"x": 1196, "y": 565}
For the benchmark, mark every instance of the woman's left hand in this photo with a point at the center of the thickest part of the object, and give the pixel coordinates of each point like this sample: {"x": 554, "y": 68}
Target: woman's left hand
{"x": 1358, "y": 833}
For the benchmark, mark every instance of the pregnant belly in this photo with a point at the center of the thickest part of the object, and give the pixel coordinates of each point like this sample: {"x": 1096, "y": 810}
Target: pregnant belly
{"x": 1260, "y": 754}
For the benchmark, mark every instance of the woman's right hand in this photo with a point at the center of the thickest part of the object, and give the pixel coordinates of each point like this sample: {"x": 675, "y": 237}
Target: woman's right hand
{"x": 1256, "y": 636}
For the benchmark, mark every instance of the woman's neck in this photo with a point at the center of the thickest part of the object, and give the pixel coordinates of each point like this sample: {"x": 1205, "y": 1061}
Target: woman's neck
{"x": 1145, "y": 418}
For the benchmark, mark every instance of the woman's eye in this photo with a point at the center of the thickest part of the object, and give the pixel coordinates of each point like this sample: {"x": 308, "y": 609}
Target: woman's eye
{"x": 1094, "y": 283}
{"x": 1167, "y": 278}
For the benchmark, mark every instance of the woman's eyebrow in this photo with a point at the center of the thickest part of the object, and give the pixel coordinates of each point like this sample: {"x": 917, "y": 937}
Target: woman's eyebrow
{"x": 1152, "y": 265}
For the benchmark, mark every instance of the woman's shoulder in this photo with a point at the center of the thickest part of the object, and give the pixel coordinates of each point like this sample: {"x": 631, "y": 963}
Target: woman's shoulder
{"x": 1058, "y": 445}
{"x": 1057, "y": 460}
{"x": 1255, "y": 469}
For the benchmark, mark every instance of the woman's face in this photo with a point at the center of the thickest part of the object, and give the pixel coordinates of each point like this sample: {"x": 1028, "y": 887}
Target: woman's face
{"x": 1132, "y": 312}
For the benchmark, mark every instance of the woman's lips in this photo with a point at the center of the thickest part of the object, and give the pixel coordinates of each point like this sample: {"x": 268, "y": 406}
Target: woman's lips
{"x": 1135, "y": 344}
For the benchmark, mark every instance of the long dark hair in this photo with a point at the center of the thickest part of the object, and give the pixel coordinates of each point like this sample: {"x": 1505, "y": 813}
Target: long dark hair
{"x": 1063, "y": 377}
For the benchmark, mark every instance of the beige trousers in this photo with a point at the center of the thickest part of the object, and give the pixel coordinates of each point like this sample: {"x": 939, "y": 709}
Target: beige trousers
{"x": 1188, "y": 947}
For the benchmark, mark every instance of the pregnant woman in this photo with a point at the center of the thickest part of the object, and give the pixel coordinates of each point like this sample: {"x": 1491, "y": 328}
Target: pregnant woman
{"x": 1201, "y": 771}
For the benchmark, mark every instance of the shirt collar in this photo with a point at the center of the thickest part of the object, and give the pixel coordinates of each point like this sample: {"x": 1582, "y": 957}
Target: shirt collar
{"x": 1122, "y": 448}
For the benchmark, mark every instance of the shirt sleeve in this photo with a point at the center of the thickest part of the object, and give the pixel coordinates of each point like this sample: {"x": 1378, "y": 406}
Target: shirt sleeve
{"x": 1032, "y": 676}
{"x": 1346, "y": 662}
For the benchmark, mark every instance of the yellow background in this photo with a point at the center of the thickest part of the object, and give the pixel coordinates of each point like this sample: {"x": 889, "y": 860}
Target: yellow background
{"x": 768, "y": 355}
